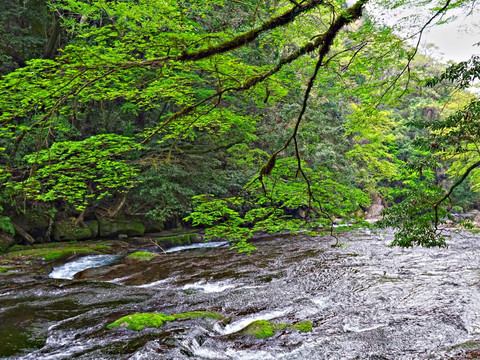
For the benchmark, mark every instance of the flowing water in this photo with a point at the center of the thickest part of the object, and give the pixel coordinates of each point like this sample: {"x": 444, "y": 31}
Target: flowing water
{"x": 68, "y": 270}
{"x": 365, "y": 301}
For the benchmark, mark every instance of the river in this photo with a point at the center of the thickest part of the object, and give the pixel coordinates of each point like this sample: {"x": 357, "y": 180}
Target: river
{"x": 365, "y": 301}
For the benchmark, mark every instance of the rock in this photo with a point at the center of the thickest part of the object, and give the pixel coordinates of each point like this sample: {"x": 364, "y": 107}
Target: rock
{"x": 302, "y": 327}
{"x": 375, "y": 209}
{"x": 178, "y": 240}
{"x": 141, "y": 321}
{"x": 476, "y": 218}
{"x": 261, "y": 329}
{"x": 296, "y": 213}
{"x": 110, "y": 229}
{"x": 33, "y": 222}
{"x": 152, "y": 226}
{"x": 65, "y": 230}
{"x": 141, "y": 256}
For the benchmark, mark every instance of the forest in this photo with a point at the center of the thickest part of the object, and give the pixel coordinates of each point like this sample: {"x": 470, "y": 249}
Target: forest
{"x": 238, "y": 180}
{"x": 237, "y": 117}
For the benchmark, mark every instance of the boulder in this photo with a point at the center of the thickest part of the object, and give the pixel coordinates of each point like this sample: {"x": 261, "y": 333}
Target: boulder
{"x": 375, "y": 209}
{"x": 66, "y": 230}
{"x": 261, "y": 329}
{"x": 476, "y": 218}
{"x": 179, "y": 240}
{"x": 152, "y": 226}
{"x": 111, "y": 229}
{"x": 33, "y": 222}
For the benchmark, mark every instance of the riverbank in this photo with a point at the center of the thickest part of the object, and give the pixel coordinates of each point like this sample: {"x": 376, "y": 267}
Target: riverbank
{"x": 39, "y": 259}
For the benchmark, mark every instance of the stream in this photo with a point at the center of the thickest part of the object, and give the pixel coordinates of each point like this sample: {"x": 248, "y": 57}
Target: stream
{"x": 365, "y": 301}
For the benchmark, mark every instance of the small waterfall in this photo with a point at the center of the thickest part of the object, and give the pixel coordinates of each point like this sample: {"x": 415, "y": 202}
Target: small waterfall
{"x": 68, "y": 270}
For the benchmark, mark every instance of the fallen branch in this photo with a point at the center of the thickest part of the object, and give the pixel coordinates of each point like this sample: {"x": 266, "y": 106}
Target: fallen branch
{"x": 154, "y": 242}
{"x": 24, "y": 234}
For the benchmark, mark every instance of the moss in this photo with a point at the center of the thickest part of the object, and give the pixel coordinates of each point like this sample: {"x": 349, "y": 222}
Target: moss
{"x": 199, "y": 315}
{"x": 3, "y": 270}
{"x": 46, "y": 254}
{"x": 142, "y": 255}
{"x": 56, "y": 245}
{"x": 67, "y": 230}
{"x": 128, "y": 227}
{"x": 178, "y": 240}
{"x": 154, "y": 320}
{"x": 303, "y": 327}
{"x": 142, "y": 320}
{"x": 262, "y": 329}
{"x": 52, "y": 251}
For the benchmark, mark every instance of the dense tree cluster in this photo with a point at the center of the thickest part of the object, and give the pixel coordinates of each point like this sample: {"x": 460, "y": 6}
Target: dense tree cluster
{"x": 251, "y": 108}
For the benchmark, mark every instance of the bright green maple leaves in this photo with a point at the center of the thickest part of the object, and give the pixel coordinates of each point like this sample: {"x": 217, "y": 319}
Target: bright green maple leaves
{"x": 266, "y": 205}
{"x": 79, "y": 172}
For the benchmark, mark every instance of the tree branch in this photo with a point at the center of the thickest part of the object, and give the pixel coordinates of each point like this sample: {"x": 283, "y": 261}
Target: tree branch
{"x": 239, "y": 40}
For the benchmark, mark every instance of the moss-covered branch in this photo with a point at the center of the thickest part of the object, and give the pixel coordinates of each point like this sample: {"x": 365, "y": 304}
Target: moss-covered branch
{"x": 239, "y": 40}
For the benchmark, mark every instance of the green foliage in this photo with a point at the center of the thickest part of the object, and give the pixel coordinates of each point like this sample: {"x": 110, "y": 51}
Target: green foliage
{"x": 24, "y": 28}
{"x": 6, "y": 223}
{"x": 415, "y": 219}
{"x": 79, "y": 172}
{"x": 262, "y": 206}
{"x": 464, "y": 74}
{"x": 374, "y": 141}
{"x": 213, "y": 90}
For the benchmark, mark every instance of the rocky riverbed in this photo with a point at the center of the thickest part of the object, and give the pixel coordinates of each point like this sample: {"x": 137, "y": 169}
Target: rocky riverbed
{"x": 363, "y": 300}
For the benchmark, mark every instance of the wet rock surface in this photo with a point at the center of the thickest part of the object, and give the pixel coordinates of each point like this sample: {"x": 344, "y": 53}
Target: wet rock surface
{"x": 364, "y": 300}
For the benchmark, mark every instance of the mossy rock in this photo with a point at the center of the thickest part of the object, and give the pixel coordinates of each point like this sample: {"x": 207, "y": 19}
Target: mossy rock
{"x": 142, "y": 256}
{"x": 47, "y": 254}
{"x": 199, "y": 315}
{"x": 302, "y": 327}
{"x": 32, "y": 219}
{"x": 52, "y": 251}
{"x": 3, "y": 270}
{"x": 142, "y": 321}
{"x": 34, "y": 222}
{"x": 155, "y": 320}
{"x": 108, "y": 229}
{"x": 178, "y": 240}
{"x": 66, "y": 230}
{"x": 262, "y": 329}
{"x": 152, "y": 226}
